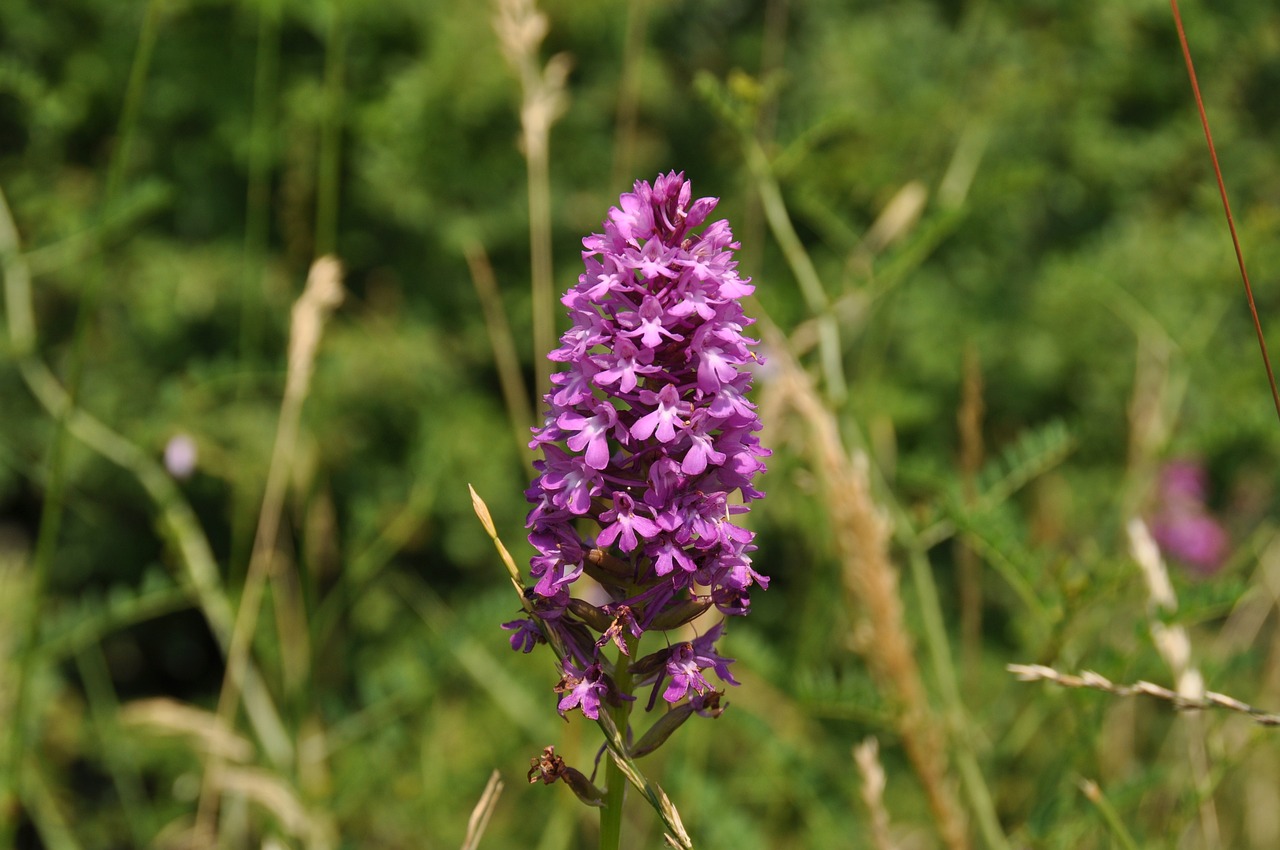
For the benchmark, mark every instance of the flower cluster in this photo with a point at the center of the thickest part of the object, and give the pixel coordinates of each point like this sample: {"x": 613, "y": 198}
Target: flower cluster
{"x": 1182, "y": 524}
{"x": 648, "y": 434}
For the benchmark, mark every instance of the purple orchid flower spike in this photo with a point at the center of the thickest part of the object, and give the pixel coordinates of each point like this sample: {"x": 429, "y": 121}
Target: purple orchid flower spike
{"x": 649, "y": 450}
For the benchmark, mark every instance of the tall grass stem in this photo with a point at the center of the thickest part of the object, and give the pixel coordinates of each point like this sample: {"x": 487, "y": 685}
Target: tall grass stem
{"x": 629, "y": 87}
{"x": 515, "y": 393}
{"x": 815, "y": 295}
{"x": 520, "y": 28}
{"x": 258, "y": 194}
{"x": 483, "y": 811}
{"x": 539, "y": 173}
{"x": 177, "y": 522}
{"x": 54, "y": 497}
{"x": 329, "y": 182}
{"x": 871, "y": 582}
{"x": 322, "y": 295}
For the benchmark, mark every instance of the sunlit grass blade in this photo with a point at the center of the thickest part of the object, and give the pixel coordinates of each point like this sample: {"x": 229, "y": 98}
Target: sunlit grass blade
{"x": 486, "y": 520}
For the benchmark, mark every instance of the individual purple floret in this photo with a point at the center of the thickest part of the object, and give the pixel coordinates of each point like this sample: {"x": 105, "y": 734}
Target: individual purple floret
{"x": 647, "y": 438}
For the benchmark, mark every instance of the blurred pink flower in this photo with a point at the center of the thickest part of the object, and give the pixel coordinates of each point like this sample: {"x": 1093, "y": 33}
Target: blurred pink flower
{"x": 1196, "y": 539}
{"x": 180, "y": 456}
{"x": 1183, "y": 480}
{"x": 1181, "y": 523}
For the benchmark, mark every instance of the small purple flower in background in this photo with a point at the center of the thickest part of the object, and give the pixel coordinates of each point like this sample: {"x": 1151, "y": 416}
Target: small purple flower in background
{"x": 647, "y": 438}
{"x": 1183, "y": 483}
{"x": 1182, "y": 524}
{"x": 180, "y": 456}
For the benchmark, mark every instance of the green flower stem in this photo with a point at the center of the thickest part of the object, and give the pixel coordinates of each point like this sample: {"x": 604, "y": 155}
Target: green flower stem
{"x": 616, "y": 787}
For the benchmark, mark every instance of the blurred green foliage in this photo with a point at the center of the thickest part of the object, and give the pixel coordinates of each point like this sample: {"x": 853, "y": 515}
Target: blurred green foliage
{"x": 1085, "y": 266}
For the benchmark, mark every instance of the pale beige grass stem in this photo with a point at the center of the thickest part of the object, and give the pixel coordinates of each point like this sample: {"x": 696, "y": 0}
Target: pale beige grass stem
{"x": 483, "y": 810}
{"x": 1173, "y": 642}
{"x": 521, "y": 28}
{"x": 206, "y": 732}
{"x": 322, "y": 295}
{"x": 867, "y": 757}
{"x": 1097, "y": 682}
{"x": 627, "y": 121}
{"x": 1158, "y": 390}
{"x": 862, "y": 537}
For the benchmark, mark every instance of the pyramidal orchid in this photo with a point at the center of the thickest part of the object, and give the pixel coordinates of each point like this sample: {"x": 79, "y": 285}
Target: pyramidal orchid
{"x": 648, "y": 454}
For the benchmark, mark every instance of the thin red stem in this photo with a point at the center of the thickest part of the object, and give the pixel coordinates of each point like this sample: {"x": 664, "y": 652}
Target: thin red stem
{"x": 1226, "y": 204}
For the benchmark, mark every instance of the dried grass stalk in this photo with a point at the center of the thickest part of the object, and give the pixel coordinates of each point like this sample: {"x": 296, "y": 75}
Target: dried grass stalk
{"x": 1174, "y": 645}
{"x": 867, "y": 757}
{"x": 206, "y": 730}
{"x": 520, "y": 28}
{"x": 482, "y": 812}
{"x": 1098, "y": 682}
{"x": 862, "y": 535}
{"x": 322, "y": 295}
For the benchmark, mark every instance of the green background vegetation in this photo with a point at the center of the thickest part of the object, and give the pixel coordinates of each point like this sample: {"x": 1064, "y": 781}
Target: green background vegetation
{"x": 173, "y": 168}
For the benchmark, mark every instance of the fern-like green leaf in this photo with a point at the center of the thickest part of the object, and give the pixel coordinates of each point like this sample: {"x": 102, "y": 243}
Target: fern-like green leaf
{"x": 1033, "y": 454}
